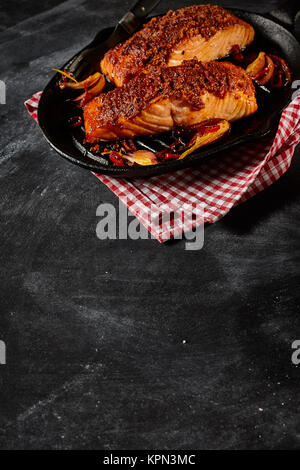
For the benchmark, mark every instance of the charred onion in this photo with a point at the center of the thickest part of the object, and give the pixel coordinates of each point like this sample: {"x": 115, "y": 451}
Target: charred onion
{"x": 262, "y": 69}
{"x": 92, "y": 86}
{"x": 205, "y": 135}
{"x": 282, "y": 75}
{"x": 270, "y": 69}
{"x": 87, "y": 83}
{"x": 142, "y": 157}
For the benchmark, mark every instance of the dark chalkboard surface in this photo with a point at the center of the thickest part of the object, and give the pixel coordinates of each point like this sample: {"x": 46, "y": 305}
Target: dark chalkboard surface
{"x": 122, "y": 344}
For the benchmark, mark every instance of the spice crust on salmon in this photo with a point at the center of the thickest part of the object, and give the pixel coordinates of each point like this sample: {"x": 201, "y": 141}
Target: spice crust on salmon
{"x": 160, "y": 99}
{"x": 204, "y": 32}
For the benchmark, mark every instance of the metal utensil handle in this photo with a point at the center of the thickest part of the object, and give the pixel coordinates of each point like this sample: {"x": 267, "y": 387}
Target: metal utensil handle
{"x": 142, "y": 8}
{"x": 132, "y": 20}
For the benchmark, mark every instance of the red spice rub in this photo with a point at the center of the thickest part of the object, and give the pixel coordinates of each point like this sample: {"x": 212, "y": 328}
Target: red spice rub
{"x": 153, "y": 44}
{"x": 188, "y": 81}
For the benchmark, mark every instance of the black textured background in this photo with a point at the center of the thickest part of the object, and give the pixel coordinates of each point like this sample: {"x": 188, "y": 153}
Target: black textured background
{"x": 95, "y": 329}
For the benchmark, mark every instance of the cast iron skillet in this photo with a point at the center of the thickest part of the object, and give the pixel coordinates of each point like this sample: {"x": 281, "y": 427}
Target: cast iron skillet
{"x": 270, "y": 36}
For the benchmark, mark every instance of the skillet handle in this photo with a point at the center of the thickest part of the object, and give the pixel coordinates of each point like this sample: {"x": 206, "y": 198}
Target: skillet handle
{"x": 288, "y": 14}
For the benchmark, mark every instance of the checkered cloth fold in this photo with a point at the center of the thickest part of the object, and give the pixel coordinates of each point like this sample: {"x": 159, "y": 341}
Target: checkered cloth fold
{"x": 218, "y": 185}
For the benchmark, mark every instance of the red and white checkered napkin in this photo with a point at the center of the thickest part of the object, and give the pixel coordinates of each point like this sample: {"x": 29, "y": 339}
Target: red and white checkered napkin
{"x": 217, "y": 186}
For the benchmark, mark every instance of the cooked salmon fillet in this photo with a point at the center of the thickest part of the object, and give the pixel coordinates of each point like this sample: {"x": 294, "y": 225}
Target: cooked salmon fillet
{"x": 204, "y": 32}
{"x": 162, "y": 98}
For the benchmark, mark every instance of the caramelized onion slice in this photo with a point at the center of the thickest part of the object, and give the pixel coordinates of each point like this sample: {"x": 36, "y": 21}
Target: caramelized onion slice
{"x": 66, "y": 75}
{"x": 282, "y": 66}
{"x": 206, "y": 135}
{"x": 89, "y": 93}
{"x": 141, "y": 157}
{"x": 87, "y": 83}
{"x": 267, "y": 74}
{"x": 262, "y": 69}
{"x": 257, "y": 65}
